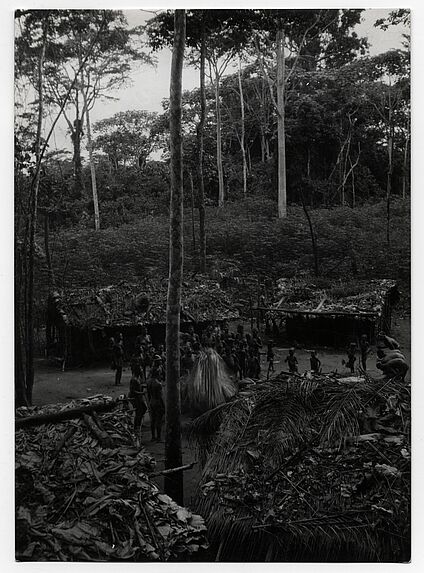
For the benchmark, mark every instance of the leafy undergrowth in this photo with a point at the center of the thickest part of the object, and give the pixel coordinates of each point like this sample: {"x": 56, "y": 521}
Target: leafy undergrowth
{"x": 245, "y": 240}
{"x": 247, "y": 234}
{"x": 308, "y": 469}
{"x": 78, "y": 501}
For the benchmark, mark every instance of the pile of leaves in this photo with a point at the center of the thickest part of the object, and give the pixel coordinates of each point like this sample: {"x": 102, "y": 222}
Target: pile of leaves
{"x": 326, "y": 296}
{"x": 78, "y": 501}
{"x": 309, "y": 468}
{"x": 118, "y": 305}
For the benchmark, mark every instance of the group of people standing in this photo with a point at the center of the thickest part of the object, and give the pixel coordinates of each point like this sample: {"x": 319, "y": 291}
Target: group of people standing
{"x": 147, "y": 373}
{"x": 389, "y": 358}
{"x": 241, "y": 351}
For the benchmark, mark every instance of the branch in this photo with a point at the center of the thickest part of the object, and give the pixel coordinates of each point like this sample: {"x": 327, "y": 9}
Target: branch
{"x": 174, "y": 470}
{"x": 301, "y": 46}
{"x": 62, "y": 107}
{"x": 265, "y": 73}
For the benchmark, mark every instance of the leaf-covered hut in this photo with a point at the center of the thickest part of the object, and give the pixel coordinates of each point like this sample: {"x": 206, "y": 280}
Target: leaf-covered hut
{"x": 85, "y": 493}
{"x": 308, "y": 469}
{"x": 332, "y": 313}
{"x": 80, "y": 321}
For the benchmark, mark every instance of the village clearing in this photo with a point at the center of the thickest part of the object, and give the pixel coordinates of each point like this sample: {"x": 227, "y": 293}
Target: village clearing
{"x": 54, "y": 386}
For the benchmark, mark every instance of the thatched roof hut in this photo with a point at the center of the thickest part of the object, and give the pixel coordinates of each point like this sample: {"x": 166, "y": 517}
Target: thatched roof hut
{"x": 329, "y": 312}
{"x": 81, "y": 320}
{"x": 308, "y": 469}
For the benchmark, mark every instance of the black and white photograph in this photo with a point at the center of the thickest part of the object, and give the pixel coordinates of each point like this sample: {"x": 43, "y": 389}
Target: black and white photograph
{"x": 211, "y": 318}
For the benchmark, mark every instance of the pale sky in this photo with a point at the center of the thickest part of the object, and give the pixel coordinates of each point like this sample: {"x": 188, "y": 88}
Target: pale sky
{"x": 149, "y": 86}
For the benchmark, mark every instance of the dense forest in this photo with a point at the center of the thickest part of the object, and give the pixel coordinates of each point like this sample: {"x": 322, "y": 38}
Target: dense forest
{"x": 296, "y": 152}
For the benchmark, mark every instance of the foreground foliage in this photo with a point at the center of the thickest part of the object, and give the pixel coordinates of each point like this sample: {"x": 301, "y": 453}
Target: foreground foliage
{"x": 78, "y": 501}
{"x": 308, "y": 469}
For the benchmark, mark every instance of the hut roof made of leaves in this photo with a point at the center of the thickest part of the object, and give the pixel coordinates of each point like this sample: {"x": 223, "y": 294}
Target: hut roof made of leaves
{"x": 325, "y": 296}
{"x": 128, "y": 304}
{"x": 79, "y": 501}
{"x": 310, "y": 468}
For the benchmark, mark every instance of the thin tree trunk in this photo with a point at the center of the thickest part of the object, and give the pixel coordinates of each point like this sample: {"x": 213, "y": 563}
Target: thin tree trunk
{"x": 50, "y": 270}
{"x": 221, "y": 194}
{"x": 389, "y": 168}
{"x": 262, "y": 147}
{"x": 76, "y": 141}
{"x": 243, "y": 130}
{"x": 282, "y": 189}
{"x": 32, "y": 230}
{"x": 200, "y": 134}
{"x": 90, "y": 157}
{"x": 308, "y": 164}
{"x": 193, "y": 228}
{"x": 267, "y": 151}
{"x": 353, "y": 186}
{"x": 405, "y": 161}
{"x": 173, "y": 454}
{"x": 389, "y": 185}
{"x": 20, "y": 387}
{"x": 249, "y": 159}
{"x": 93, "y": 174}
{"x": 312, "y": 233}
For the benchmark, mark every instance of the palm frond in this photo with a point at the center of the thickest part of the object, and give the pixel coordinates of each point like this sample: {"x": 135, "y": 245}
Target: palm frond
{"x": 265, "y": 443}
{"x": 208, "y": 383}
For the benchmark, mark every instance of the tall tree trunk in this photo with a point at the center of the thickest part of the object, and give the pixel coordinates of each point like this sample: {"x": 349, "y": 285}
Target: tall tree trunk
{"x": 262, "y": 146}
{"x": 90, "y": 152}
{"x": 282, "y": 189}
{"x": 173, "y": 453}
{"x": 312, "y": 233}
{"x": 200, "y": 135}
{"x": 93, "y": 173}
{"x": 32, "y": 230}
{"x": 389, "y": 168}
{"x": 76, "y": 141}
{"x": 52, "y": 280}
{"x": 20, "y": 386}
{"x": 193, "y": 227}
{"x": 389, "y": 185}
{"x": 243, "y": 130}
{"x": 308, "y": 164}
{"x": 405, "y": 170}
{"x": 221, "y": 193}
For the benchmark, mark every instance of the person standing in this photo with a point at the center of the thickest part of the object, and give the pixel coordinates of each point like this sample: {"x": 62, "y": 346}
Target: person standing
{"x": 136, "y": 398}
{"x": 351, "y": 357}
{"x": 118, "y": 358}
{"x": 292, "y": 362}
{"x": 364, "y": 347}
{"x": 242, "y": 358}
{"x": 270, "y": 359}
{"x": 156, "y": 405}
{"x": 315, "y": 362}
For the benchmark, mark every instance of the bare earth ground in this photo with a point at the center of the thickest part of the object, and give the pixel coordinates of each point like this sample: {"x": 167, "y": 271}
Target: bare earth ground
{"x": 52, "y": 386}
